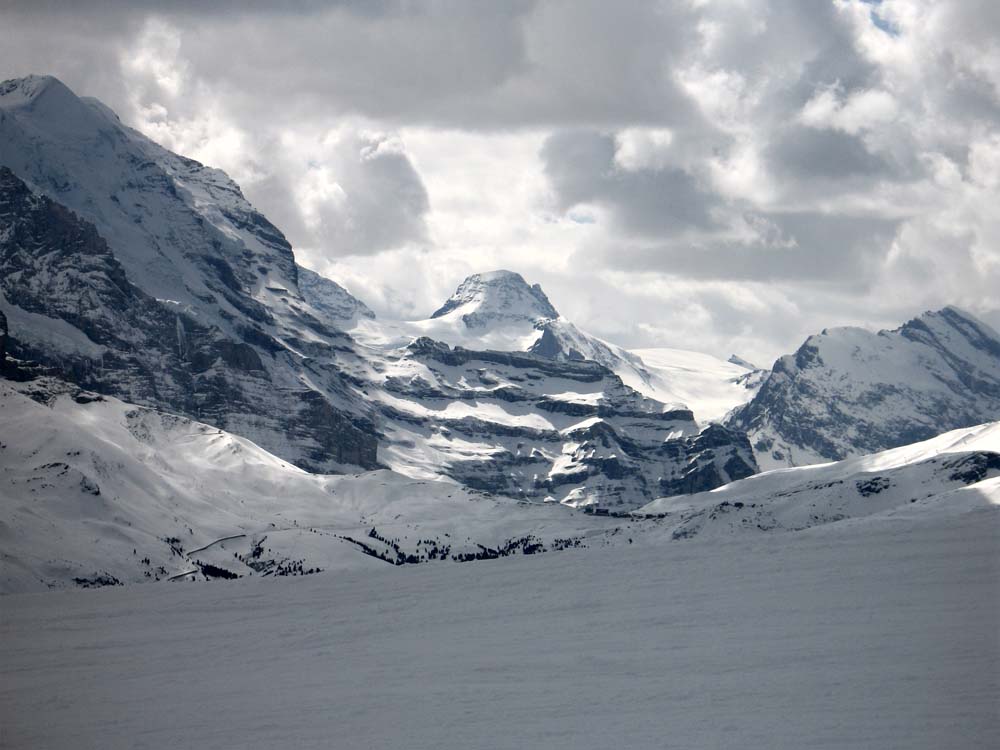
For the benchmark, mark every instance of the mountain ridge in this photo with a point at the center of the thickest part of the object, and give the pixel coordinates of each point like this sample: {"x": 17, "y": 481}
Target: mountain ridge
{"x": 211, "y": 322}
{"x": 848, "y": 391}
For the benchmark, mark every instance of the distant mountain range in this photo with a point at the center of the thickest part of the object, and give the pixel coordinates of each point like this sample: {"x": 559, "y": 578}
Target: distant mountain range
{"x": 183, "y": 298}
{"x": 137, "y": 276}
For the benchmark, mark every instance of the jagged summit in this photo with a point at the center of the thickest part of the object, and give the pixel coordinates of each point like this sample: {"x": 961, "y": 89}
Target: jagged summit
{"x": 497, "y": 298}
{"x": 938, "y": 327}
{"x": 51, "y": 104}
{"x": 849, "y": 391}
{"x": 20, "y": 91}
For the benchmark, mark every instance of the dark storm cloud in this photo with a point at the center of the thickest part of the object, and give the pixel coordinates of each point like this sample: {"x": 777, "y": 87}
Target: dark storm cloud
{"x": 457, "y": 64}
{"x": 805, "y": 247}
{"x": 807, "y": 153}
{"x": 581, "y": 168}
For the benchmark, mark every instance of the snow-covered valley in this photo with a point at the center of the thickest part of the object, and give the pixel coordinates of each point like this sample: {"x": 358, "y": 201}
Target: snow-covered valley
{"x": 102, "y": 493}
{"x": 491, "y": 527}
{"x": 879, "y": 635}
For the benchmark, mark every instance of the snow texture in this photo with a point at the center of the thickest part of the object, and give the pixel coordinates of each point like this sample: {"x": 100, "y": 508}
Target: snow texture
{"x": 879, "y": 636}
{"x": 98, "y": 492}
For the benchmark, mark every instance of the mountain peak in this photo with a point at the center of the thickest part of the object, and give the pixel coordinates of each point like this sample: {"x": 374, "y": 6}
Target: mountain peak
{"x": 497, "y": 297}
{"x": 943, "y": 328}
{"x": 27, "y": 91}
{"x": 47, "y": 106}
{"x": 850, "y": 391}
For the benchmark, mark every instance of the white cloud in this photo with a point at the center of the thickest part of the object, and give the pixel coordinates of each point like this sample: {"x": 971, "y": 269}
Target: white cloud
{"x": 643, "y": 148}
{"x": 720, "y": 175}
{"x": 864, "y": 110}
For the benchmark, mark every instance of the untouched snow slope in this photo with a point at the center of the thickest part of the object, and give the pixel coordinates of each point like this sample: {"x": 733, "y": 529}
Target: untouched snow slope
{"x": 710, "y": 387}
{"x": 884, "y": 636}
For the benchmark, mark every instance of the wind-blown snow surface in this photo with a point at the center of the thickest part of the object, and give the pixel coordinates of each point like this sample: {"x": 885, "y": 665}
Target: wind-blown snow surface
{"x": 880, "y": 636}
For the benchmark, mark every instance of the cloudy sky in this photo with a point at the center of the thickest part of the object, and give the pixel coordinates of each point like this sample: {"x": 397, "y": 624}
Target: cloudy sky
{"x": 721, "y": 175}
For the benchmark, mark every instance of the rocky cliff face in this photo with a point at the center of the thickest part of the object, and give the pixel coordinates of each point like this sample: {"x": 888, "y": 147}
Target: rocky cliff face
{"x": 73, "y": 312}
{"x": 497, "y": 298}
{"x": 3, "y": 342}
{"x": 848, "y": 391}
{"x": 331, "y": 299}
{"x": 134, "y": 272}
{"x": 526, "y": 426}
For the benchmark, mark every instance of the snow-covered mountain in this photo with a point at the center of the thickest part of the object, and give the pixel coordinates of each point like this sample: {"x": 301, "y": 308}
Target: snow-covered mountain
{"x": 182, "y": 231}
{"x": 497, "y": 299}
{"x": 948, "y": 474}
{"x": 189, "y": 302}
{"x": 133, "y": 272}
{"x": 849, "y": 391}
{"x": 501, "y": 311}
{"x": 136, "y": 273}
{"x": 99, "y": 492}
{"x": 72, "y": 310}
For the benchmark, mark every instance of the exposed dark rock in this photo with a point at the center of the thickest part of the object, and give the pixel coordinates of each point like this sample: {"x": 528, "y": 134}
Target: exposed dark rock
{"x": 145, "y": 352}
{"x": 3, "y": 342}
{"x": 938, "y": 372}
{"x": 973, "y": 467}
{"x": 609, "y": 451}
{"x": 716, "y": 456}
{"x": 873, "y": 486}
